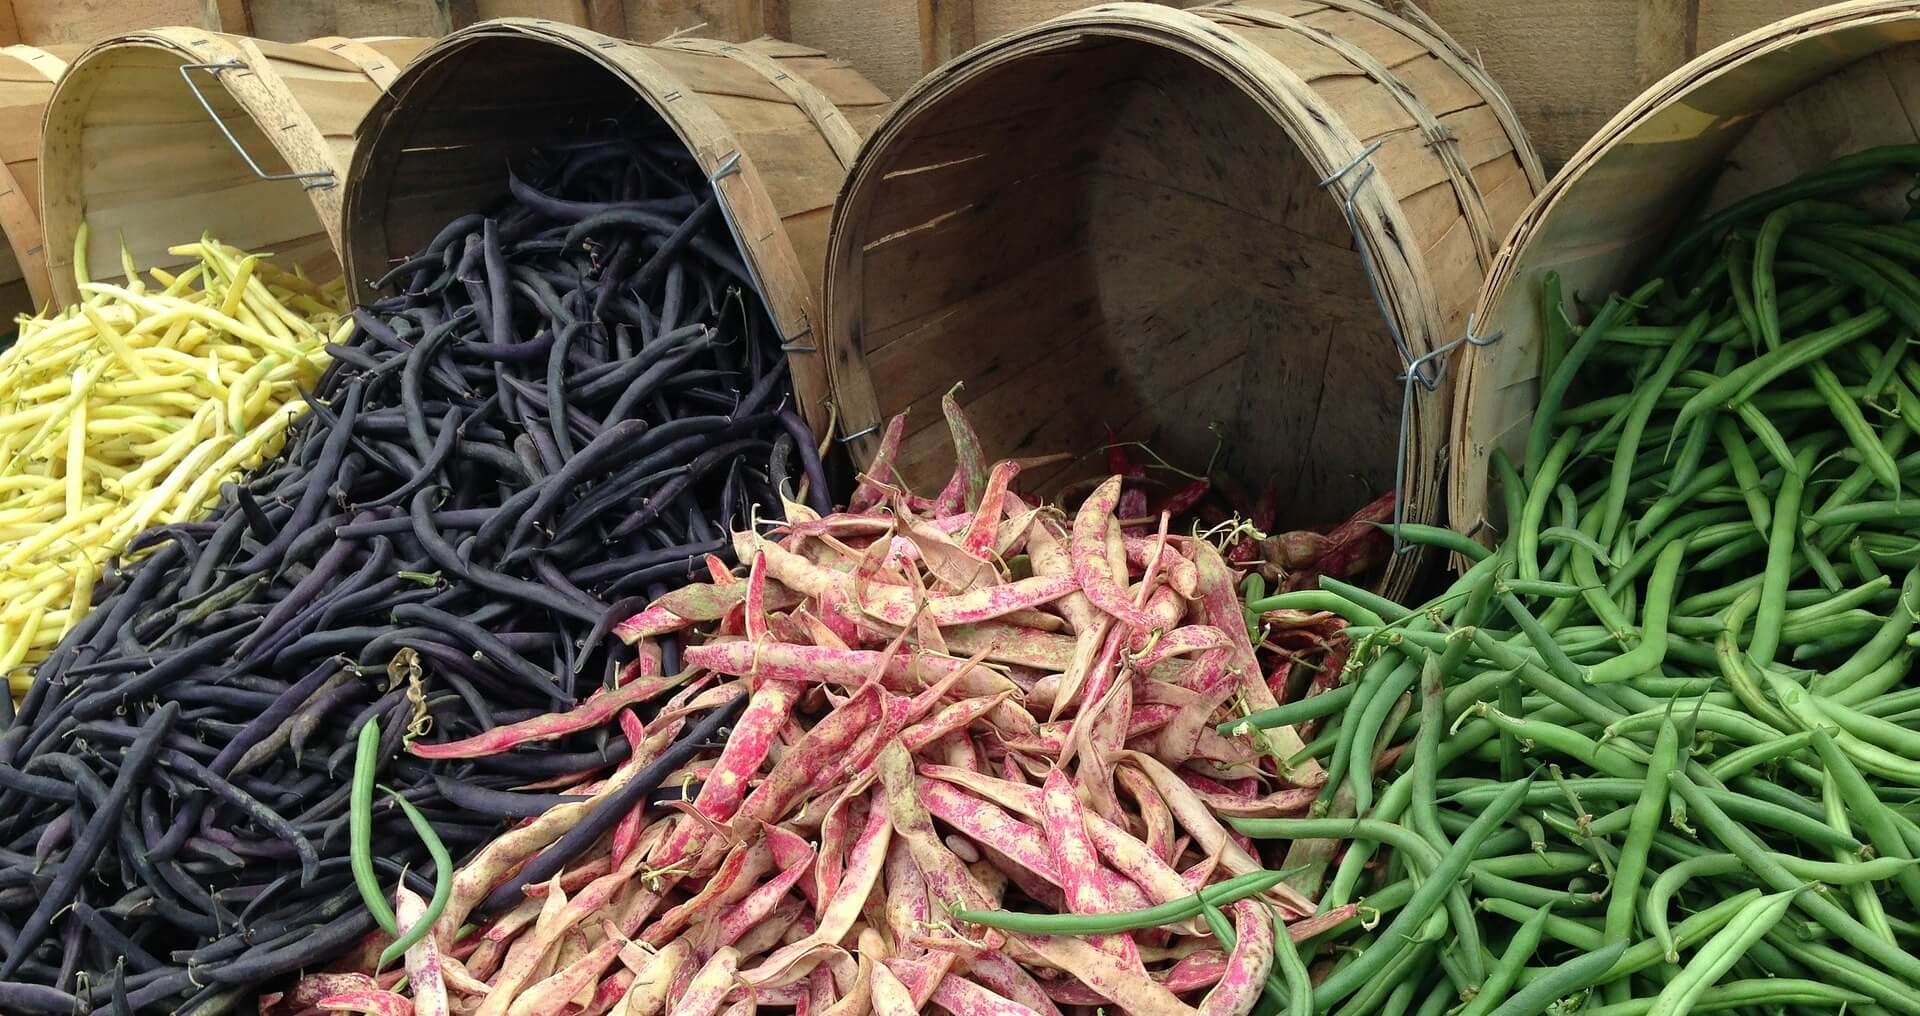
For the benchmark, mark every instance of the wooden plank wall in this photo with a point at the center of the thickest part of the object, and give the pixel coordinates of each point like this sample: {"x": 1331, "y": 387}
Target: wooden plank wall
{"x": 1570, "y": 65}
{"x": 1567, "y": 65}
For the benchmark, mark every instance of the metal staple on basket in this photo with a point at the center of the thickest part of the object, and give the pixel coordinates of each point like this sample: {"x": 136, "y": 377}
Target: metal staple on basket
{"x": 1415, "y": 369}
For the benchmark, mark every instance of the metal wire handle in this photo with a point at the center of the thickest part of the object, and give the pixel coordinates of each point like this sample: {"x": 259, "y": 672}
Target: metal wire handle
{"x": 312, "y": 180}
{"x": 1428, "y": 369}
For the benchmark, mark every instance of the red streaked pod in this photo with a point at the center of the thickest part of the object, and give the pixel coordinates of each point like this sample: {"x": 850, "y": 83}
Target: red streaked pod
{"x": 905, "y": 904}
{"x": 998, "y": 973}
{"x": 1246, "y": 973}
{"x": 963, "y": 997}
{"x": 709, "y": 987}
{"x": 600, "y": 707}
{"x": 738, "y": 919}
{"x": 982, "y": 534}
{"x": 1092, "y": 565}
{"x": 550, "y": 996}
{"x": 864, "y": 864}
{"x": 1089, "y": 885}
{"x": 374, "y": 1003}
{"x": 1126, "y": 988}
{"x": 879, "y": 479}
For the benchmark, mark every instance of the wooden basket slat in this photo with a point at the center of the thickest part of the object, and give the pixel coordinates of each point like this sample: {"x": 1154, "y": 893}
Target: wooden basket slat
{"x": 1114, "y": 220}
{"x": 305, "y": 54}
{"x": 27, "y": 75}
{"x": 434, "y": 147}
{"x": 1749, "y": 114}
{"x": 132, "y": 154}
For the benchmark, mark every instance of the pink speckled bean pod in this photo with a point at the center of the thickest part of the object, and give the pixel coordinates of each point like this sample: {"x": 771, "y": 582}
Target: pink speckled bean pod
{"x": 374, "y": 1003}
{"x": 1102, "y": 972}
{"x": 962, "y": 997}
{"x": 1246, "y": 973}
{"x": 599, "y": 707}
{"x": 709, "y": 988}
{"x": 1092, "y": 566}
{"x": 879, "y": 477}
{"x": 552, "y": 994}
{"x": 1090, "y": 887}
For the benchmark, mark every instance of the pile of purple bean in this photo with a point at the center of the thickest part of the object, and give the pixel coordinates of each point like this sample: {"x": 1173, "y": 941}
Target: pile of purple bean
{"x": 564, "y": 406}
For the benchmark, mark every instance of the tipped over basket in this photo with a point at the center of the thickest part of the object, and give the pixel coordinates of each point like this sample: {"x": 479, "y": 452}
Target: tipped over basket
{"x": 773, "y": 123}
{"x": 154, "y": 137}
{"x": 1747, "y": 116}
{"x": 1144, "y": 219}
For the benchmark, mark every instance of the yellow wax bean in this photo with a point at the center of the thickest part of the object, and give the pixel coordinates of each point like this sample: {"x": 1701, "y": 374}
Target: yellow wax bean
{"x": 121, "y": 412}
{"x": 17, "y": 640}
{"x": 19, "y": 611}
{"x": 104, "y": 425}
{"x": 104, "y": 470}
{"x": 80, "y": 389}
{"x": 34, "y": 517}
{"x": 262, "y": 440}
{"x": 111, "y": 336}
{"x": 237, "y": 396}
{"x": 153, "y": 501}
{"x": 84, "y": 575}
{"x": 132, "y": 273}
{"x": 147, "y": 386}
{"x": 175, "y": 448}
{"x": 76, "y": 460}
{"x": 158, "y": 304}
{"x": 48, "y": 534}
{"x": 237, "y": 288}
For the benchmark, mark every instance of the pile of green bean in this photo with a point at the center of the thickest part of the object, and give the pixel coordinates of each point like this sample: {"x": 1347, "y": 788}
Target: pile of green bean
{"x": 1659, "y": 751}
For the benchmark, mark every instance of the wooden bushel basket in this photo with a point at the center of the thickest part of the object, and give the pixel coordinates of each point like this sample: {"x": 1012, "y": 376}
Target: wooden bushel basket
{"x": 27, "y": 75}
{"x": 1744, "y": 117}
{"x": 776, "y": 122}
{"x": 1137, "y": 218}
{"x": 131, "y": 151}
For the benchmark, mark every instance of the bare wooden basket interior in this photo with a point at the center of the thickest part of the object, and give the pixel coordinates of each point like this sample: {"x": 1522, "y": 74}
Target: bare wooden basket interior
{"x": 133, "y": 154}
{"x": 781, "y": 119}
{"x": 1101, "y": 230}
{"x": 1751, "y": 114}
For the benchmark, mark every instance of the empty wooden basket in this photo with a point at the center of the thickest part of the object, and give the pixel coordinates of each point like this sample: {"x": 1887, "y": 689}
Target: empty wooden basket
{"x": 1744, "y": 117}
{"x": 27, "y": 75}
{"x": 778, "y": 122}
{"x": 132, "y": 152}
{"x": 1137, "y": 218}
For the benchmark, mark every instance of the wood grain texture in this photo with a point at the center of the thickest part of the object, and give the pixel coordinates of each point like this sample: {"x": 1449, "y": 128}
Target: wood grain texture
{"x": 230, "y": 16}
{"x": 300, "y": 20}
{"x": 47, "y": 22}
{"x": 1570, "y": 65}
{"x": 946, "y": 30}
{"x": 27, "y": 75}
{"x": 653, "y": 20}
{"x": 1666, "y": 35}
{"x": 880, "y": 38}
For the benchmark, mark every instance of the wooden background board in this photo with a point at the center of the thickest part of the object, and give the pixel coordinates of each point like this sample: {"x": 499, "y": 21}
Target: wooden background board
{"x": 1567, "y": 65}
{"x": 1753, "y": 115}
{"x": 1570, "y": 65}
